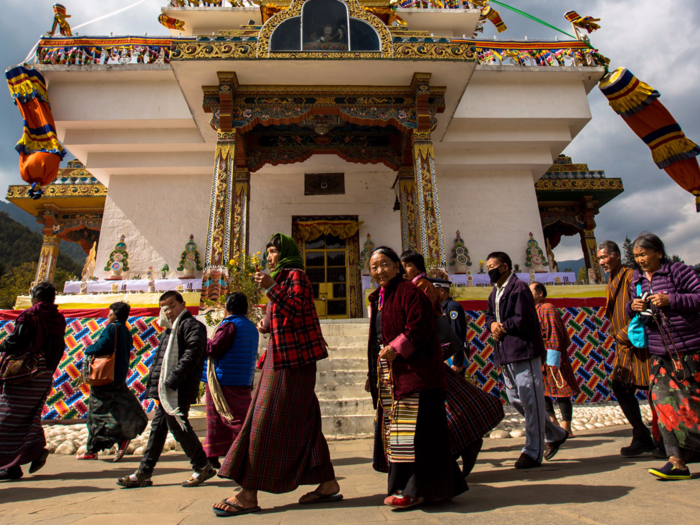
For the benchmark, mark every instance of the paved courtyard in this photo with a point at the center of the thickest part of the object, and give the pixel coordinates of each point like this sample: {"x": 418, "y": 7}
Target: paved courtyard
{"x": 588, "y": 482}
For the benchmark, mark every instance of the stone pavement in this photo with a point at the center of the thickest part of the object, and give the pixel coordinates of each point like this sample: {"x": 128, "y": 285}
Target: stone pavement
{"x": 588, "y": 482}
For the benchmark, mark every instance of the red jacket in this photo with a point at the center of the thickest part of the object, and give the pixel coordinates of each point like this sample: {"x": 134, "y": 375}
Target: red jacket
{"x": 295, "y": 333}
{"x": 408, "y": 325}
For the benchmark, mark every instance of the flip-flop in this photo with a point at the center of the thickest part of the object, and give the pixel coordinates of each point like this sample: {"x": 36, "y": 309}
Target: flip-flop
{"x": 239, "y": 510}
{"x": 321, "y": 498}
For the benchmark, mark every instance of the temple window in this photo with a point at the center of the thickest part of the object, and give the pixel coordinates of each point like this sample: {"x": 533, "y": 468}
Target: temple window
{"x": 323, "y": 27}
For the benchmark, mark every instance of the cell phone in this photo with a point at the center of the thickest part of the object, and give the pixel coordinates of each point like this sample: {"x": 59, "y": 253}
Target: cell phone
{"x": 257, "y": 268}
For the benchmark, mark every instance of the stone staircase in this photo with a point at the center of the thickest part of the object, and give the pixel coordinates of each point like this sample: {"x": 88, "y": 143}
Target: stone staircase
{"x": 346, "y": 408}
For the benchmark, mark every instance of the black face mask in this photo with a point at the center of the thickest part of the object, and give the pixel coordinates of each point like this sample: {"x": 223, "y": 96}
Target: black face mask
{"x": 495, "y": 275}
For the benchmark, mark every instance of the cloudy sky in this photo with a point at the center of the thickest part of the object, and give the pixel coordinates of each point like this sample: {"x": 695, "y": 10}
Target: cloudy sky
{"x": 658, "y": 41}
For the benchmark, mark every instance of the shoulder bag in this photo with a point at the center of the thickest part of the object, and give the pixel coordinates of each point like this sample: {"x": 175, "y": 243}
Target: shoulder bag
{"x": 26, "y": 364}
{"x": 636, "y": 329}
{"x": 102, "y": 367}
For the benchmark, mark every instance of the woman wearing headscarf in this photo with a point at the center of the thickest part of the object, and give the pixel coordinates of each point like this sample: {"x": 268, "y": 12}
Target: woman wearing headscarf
{"x": 667, "y": 295}
{"x": 407, "y": 381}
{"x": 281, "y": 445}
{"x": 114, "y": 415}
{"x": 22, "y": 440}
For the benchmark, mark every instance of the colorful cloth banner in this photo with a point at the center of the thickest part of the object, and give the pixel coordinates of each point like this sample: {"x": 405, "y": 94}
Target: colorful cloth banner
{"x": 171, "y": 23}
{"x": 40, "y": 152}
{"x": 638, "y": 104}
{"x": 489, "y": 13}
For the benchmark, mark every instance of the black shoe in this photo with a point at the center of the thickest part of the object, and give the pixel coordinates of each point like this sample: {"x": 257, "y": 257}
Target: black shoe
{"x": 39, "y": 462}
{"x": 659, "y": 453}
{"x": 553, "y": 447}
{"x": 525, "y": 461}
{"x": 214, "y": 461}
{"x": 637, "y": 449}
{"x": 11, "y": 473}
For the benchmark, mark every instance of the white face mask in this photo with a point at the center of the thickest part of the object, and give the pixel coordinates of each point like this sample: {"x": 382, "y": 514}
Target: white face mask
{"x": 163, "y": 321}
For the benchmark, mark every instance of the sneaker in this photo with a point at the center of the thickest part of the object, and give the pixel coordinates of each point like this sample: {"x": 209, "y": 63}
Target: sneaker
{"x": 525, "y": 462}
{"x": 636, "y": 449}
{"x": 670, "y": 473}
{"x": 87, "y": 455}
{"x": 401, "y": 501}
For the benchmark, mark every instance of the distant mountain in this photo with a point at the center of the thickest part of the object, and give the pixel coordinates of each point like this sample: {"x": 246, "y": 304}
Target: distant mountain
{"x": 575, "y": 266}
{"x": 20, "y": 245}
{"x": 71, "y": 249}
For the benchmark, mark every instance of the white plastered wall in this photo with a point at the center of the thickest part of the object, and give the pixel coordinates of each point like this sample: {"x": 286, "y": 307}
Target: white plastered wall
{"x": 493, "y": 211}
{"x": 156, "y": 214}
{"x": 277, "y": 194}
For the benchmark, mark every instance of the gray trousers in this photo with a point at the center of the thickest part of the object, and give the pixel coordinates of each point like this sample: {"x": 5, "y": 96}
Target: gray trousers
{"x": 525, "y": 391}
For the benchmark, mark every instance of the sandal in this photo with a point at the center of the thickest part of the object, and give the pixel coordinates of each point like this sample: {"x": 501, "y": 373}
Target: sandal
{"x": 232, "y": 504}
{"x": 200, "y": 476}
{"x": 87, "y": 455}
{"x": 320, "y": 498}
{"x": 39, "y": 462}
{"x": 136, "y": 480}
{"x": 121, "y": 450}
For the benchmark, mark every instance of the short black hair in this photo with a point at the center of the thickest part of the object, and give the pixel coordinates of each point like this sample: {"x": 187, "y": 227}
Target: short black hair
{"x": 391, "y": 254}
{"x": 237, "y": 303}
{"x": 172, "y": 293}
{"x": 44, "y": 292}
{"x": 414, "y": 258}
{"x": 650, "y": 241}
{"x": 541, "y": 288}
{"x": 121, "y": 310}
{"x": 611, "y": 247}
{"x": 501, "y": 257}
{"x": 274, "y": 241}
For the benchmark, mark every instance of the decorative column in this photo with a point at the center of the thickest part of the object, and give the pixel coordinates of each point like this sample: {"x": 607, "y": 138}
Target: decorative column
{"x": 432, "y": 243}
{"x": 240, "y": 238}
{"x": 589, "y": 244}
{"x": 407, "y": 197}
{"x": 47, "y": 258}
{"x": 218, "y": 248}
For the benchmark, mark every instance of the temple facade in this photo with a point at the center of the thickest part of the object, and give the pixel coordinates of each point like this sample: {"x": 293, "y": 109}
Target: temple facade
{"x": 328, "y": 120}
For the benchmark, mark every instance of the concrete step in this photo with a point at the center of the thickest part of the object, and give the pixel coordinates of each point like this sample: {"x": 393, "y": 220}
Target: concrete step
{"x": 340, "y": 391}
{"x": 359, "y": 406}
{"x": 356, "y": 329}
{"x": 341, "y": 364}
{"x": 341, "y": 377}
{"x": 347, "y": 426}
{"x": 346, "y": 340}
{"x": 347, "y": 352}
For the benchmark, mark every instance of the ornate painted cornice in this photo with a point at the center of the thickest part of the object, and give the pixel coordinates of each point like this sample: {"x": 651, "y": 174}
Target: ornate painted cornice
{"x": 578, "y": 184}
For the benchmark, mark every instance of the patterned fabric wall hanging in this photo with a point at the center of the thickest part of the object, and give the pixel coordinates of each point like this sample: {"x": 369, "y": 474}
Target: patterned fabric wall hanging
{"x": 591, "y": 353}
{"x": 68, "y": 398}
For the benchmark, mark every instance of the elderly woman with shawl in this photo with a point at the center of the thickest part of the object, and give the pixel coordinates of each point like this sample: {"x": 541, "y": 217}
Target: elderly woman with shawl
{"x": 667, "y": 295}
{"x": 407, "y": 382}
{"x": 281, "y": 445}
{"x": 22, "y": 440}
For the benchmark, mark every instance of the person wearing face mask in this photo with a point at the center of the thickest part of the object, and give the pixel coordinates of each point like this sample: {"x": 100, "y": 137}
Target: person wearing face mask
{"x": 667, "y": 294}
{"x": 174, "y": 384}
{"x": 519, "y": 349}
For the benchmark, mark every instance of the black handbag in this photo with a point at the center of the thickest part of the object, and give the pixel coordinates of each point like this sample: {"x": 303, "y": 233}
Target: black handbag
{"x": 451, "y": 344}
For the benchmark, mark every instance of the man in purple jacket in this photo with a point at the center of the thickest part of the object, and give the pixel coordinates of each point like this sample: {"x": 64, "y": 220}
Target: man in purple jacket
{"x": 513, "y": 322}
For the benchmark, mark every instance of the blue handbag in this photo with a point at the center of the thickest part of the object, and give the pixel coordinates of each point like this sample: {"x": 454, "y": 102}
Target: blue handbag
{"x": 636, "y": 329}
{"x": 553, "y": 358}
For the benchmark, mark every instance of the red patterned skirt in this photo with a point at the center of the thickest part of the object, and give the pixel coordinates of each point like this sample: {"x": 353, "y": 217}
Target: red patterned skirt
{"x": 560, "y": 382}
{"x": 222, "y": 433}
{"x": 281, "y": 445}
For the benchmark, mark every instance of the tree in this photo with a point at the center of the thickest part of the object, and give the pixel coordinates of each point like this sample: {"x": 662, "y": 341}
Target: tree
{"x": 18, "y": 280}
{"x": 676, "y": 258}
{"x": 628, "y": 254}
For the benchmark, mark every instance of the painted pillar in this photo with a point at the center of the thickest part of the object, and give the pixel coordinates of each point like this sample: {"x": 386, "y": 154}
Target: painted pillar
{"x": 47, "y": 258}
{"x": 588, "y": 241}
{"x": 407, "y": 198}
{"x": 432, "y": 243}
{"x": 241, "y": 213}
{"x": 218, "y": 248}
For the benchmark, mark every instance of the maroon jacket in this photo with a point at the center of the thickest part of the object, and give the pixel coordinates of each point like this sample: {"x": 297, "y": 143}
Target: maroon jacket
{"x": 295, "y": 333}
{"x": 408, "y": 325}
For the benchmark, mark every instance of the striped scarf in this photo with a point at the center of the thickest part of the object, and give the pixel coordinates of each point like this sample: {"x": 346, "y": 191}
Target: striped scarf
{"x": 168, "y": 397}
{"x": 398, "y": 420}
